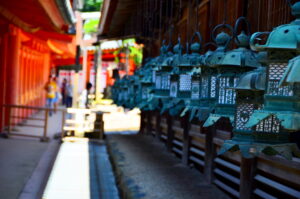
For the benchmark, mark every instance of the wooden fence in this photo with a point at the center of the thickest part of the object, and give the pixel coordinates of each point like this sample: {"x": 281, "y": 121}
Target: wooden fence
{"x": 261, "y": 177}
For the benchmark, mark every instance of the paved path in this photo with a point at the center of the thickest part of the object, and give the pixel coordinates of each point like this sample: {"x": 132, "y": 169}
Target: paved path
{"x": 82, "y": 170}
{"x": 20, "y": 156}
{"x": 147, "y": 171}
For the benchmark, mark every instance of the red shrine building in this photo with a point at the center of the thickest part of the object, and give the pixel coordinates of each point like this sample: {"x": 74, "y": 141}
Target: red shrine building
{"x": 33, "y": 39}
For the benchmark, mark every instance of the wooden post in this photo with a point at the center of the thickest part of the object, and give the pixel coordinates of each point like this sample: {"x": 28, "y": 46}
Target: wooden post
{"x": 157, "y": 126}
{"x": 210, "y": 153}
{"x": 170, "y": 133}
{"x": 45, "y": 126}
{"x": 186, "y": 141}
{"x": 248, "y": 169}
{"x": 98, "y": 126}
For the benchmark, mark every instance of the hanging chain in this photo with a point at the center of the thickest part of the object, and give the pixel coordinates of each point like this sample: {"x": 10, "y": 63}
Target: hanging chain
{"x": 188, "y": 21}
{"x": 160, "y": 19}
{"x": 197, "y": 16}
{"x": 225, "y": 12}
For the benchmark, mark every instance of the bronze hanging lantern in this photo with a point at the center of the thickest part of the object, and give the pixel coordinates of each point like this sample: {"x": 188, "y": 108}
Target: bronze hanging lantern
{"x": 198, "y": 68}
{"x": 180, "y": 89}
{"x": 230, "y": 65}
{"x": 249, "y": 97}
{"x": 280, "y": 114}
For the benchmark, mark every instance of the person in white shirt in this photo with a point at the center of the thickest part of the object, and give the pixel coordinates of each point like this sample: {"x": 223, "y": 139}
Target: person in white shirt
{"x": 83, "y": 98}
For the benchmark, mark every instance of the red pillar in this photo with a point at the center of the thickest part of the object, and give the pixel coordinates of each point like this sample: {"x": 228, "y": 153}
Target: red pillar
{"x": 13, "y": 67}
{"x": 4, "y": 47}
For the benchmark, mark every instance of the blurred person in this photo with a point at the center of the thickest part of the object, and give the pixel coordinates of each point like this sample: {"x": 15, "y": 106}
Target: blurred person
{"x": 57, "y": 94}
{"x": 50, "y": 88}
{"x": 69, "y": 94}
{"x": 63, "y": 91}
{"x": 83, "y": 98}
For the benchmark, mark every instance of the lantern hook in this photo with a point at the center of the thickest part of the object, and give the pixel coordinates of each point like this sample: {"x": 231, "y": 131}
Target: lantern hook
{"x": 236, "y": 26}
{"x": 209, "y": 44}
{"x": 198, "y": 36}
{"x": 237, "y": 23}
{"x": 223, "y": 25}
{"x": 255, "y": 37}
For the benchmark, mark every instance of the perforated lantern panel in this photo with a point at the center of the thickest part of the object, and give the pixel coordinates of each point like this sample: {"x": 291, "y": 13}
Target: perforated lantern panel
{"x": 276, "y": 71}
{"x": 195, "y": 90}
{"x": 213, "y": 86}
{"x": 158, "y": 82}
{"x": 185, "y": 82}
{"x": 165, "y": 82}
{"x": 153, "y": 76}
{"x": 204, "y": 87}
{"x": 227, "y": 95}
{"x": 173, "y": 89}
{"x": 144, "y": 93}
{"x": 126, "y": 94}
{"x": 269, "y": 125}
{"x": 244, "y": 111}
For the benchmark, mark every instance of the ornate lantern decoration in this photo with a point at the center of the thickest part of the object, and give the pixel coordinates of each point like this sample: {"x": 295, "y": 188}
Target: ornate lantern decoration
{"x": 280, "y": 114}
{"x": 180, "y": 88}
{"x": 146, "y": 86}
{"x": 195, "y": 61}
{"x": 163, "y": 77}
{"x": 114, "y": 91}
{"x": 131, "y": 103}
{"x": 230, "y": 65}
{"x": 249, "y": 97}
{"x": 125, "y": 91}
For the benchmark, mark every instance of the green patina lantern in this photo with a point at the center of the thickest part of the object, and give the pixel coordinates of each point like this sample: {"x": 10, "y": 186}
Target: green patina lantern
{"x": 146, "y": 86}
{"x": 203, "y": 88}
{"x": 180, "y": 88}
{"x": 162, "y": 79}
{"x": 230, "y": 65}
{"x": 125, "y": 91}
{"x": 137, "y": 97}
{"x": 249, "y": 97}
{"x": 156, "y": 91}
{"x": 203, "y": 82}
{"x": 115, "y": 91}
{"x": 132, "y": 88}
{"x": 280, "y": 114}
{"x": 119, "y": 92}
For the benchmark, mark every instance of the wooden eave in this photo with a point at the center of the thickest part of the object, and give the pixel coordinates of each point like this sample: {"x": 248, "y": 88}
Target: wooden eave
{"x": 115, "y": 14}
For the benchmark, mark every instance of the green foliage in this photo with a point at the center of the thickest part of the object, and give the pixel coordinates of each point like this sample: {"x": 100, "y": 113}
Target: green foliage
{"x": 136, "y": 53}
{"x": 91, "y": 26}
{"x": 92, "y": 5}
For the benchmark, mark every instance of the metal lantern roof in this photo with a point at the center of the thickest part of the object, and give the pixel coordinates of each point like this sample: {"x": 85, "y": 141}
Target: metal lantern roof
{"x": 254, "y": 80}
{"x": 292, "y": 72}
{"x": 284, "y": 37}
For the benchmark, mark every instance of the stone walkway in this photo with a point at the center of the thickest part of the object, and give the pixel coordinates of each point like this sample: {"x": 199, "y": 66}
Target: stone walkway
{"x": 20, "y": 156}
{"x": 146, "y": 170}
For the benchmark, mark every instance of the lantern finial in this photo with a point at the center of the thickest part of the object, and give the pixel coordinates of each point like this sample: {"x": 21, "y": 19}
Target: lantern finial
{"x": 296, "y": 10}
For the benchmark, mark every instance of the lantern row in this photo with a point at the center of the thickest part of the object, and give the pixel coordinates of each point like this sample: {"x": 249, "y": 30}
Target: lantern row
{"x": 258, "y": 90}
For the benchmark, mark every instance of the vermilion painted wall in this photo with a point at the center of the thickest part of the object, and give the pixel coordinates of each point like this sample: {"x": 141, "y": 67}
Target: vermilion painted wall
{"x": 24, "y": 69}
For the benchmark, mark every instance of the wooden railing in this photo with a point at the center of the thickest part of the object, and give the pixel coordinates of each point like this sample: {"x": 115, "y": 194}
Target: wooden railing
{"x": 261, "y": 177}
{"x": 18, "y": 115}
